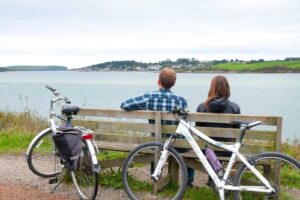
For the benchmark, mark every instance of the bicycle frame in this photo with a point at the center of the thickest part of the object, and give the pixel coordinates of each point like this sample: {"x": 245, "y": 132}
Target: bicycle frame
{"x": 88, "y": 138}
{"x": 53, "y": 114}
{"x": 186, "y": 130}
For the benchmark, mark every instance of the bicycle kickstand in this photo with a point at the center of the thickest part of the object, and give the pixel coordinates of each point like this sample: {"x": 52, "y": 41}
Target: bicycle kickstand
{"x": 60, "y": 181}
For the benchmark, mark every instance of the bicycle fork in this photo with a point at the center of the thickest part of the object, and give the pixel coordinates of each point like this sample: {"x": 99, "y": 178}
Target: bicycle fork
{"x": 162, "y": 160}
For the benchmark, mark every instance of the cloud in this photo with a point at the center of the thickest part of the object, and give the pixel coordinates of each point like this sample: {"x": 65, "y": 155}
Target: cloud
{"x": 79, "y": 33}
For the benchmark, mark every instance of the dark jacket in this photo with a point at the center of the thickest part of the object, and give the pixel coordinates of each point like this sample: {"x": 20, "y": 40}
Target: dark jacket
{"x": 219, "y": 106}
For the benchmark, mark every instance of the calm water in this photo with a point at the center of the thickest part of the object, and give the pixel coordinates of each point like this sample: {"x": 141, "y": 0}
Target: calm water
{"x": 265, "y": 94}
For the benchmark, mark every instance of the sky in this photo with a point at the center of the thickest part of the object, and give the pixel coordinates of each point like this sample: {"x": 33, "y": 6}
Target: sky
{"x": 79, "y": 33}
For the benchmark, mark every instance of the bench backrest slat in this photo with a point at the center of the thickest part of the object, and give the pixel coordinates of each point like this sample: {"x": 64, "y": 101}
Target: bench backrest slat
{"x": 130, "y": 128}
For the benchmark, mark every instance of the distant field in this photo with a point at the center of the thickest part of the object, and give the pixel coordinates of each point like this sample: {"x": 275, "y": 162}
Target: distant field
{"x": 260, "y": 66}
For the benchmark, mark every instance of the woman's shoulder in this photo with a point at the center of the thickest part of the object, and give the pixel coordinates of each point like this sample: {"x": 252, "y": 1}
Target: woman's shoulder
{"x": 234, "y": 107}
{"x": 201, "y": 108}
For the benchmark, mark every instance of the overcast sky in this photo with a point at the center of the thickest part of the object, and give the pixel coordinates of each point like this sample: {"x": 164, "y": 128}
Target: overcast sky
{"x": 77, "y": 33}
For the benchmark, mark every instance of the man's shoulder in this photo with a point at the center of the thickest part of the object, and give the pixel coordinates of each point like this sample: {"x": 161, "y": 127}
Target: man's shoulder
{"x": 175, "y": 96}
{"x": 180, "y": 97}
{"x": 164, "y": 94}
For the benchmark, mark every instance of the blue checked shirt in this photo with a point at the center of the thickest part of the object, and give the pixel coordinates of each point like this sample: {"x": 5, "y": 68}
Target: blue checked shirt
{"x": 161, "y": 100}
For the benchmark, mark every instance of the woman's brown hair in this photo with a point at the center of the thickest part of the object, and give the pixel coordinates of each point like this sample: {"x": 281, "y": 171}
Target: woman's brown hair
{"x": 219, "y": 88}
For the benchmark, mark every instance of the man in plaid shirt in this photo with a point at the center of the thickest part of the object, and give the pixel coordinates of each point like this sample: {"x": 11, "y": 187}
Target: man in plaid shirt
{"x": 161, "y": 100}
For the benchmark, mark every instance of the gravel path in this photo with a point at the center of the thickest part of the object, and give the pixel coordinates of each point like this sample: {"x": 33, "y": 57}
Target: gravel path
{"x": 15, "y": 176}
{"x": 18, "y": 182}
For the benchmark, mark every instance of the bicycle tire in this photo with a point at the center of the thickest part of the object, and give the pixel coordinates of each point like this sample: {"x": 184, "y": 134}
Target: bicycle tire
{"x": 129, "y": 180}
{"x": 287, "y": 165}
{"x": 42, "y": 158}
{"x": 85, "y": 178}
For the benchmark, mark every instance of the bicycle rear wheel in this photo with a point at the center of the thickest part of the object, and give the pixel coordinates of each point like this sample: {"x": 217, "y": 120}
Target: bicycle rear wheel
{"x": 84, "y": 178}
{"x": 282, "y": 171}
{"x": 138, "y": 167}
{"x": 43, "y": 159}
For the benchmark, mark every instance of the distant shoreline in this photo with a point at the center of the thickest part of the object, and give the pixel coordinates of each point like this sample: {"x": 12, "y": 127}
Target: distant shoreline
{"x": 33, "y": 68}
{"x": 204, "y": 71}
{"x": 288, "y": 65}
{"x": 179, "y": 71}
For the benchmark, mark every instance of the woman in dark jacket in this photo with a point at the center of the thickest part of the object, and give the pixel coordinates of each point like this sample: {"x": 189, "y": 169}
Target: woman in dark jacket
{"x": 218, "y": 102}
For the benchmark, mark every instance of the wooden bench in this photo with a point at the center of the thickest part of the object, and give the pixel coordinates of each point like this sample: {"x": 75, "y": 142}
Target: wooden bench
{"x": 120, "y": 130}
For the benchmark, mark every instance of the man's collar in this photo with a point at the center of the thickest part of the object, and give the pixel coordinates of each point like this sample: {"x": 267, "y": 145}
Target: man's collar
{"x": 165, "y": 90}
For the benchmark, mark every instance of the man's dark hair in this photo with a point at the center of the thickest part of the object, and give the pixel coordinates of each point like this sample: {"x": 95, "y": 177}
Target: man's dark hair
{"x": 167, "y": 77}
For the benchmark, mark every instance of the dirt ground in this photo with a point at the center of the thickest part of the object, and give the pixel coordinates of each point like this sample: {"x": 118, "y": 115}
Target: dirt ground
{"x": 17, "y": 182}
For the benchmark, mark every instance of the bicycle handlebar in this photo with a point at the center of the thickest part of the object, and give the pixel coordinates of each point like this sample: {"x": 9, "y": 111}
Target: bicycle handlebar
{"x": 52, "y": 90}
{"x": 247, "y": 125}
{"x": 57, "y": 94}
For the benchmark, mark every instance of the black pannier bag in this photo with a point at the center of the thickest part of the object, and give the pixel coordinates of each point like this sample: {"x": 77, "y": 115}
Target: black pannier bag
{"x": 68, "y": 143}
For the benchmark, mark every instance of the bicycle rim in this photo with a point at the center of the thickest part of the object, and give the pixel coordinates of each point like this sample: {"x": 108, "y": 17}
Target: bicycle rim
{"x": 84, "y": 178}
{"x": 137, "y": 170}
{"x": 282, "y": 172}
{"x": 43, "y": 159}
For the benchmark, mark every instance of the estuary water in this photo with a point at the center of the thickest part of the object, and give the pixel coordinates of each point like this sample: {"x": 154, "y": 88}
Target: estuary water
{"x": 257, "y": 94}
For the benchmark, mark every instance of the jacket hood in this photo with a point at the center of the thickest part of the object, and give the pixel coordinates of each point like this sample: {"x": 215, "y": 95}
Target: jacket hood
{"x": 218, "y": 105}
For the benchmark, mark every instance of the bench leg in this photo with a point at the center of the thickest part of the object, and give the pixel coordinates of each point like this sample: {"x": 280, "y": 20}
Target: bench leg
{"x": 173, "y": 170}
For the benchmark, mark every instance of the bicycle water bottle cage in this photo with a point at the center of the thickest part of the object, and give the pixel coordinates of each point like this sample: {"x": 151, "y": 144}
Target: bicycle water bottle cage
{"x": 69, "y": 110}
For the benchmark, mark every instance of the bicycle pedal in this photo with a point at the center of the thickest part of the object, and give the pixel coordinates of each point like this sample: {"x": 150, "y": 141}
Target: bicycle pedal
{"x": 53, "y": 180}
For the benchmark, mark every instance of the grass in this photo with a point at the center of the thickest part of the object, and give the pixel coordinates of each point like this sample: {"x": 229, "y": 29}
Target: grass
{"x": 23, "y": 122}
{"x": 14, "y": 142}
{"x": 203, "y": 193}
{"x": 273, "y": 65}
{"x": 18, "y": 129}
{"x": 111, "y": 178}
{"x": 292, "y": 148}
{"x": 290, "y": 177}
{"x": 106, "y": 155}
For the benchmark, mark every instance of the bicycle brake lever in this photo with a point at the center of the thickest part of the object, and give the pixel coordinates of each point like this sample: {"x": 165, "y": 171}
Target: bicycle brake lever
{"x": 67, "y": 100}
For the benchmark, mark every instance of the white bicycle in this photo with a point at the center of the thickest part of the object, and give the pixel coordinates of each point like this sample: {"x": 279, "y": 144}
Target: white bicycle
{"x": 251, "y": 181}
{"x": 44, "y": 159}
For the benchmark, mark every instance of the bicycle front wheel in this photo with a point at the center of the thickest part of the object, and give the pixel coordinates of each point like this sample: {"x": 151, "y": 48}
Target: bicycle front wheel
{"x": 84, "y": 178}
{"x": 43, "y": 158}
{"x": 138, "y": 167}
{"x": 282, "y": 172}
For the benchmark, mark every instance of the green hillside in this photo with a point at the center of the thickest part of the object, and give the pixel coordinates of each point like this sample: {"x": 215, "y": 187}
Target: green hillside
{"x": 36, "y": 68}
{"x": 268, "y": 66}
{"x": 130, "y": 65}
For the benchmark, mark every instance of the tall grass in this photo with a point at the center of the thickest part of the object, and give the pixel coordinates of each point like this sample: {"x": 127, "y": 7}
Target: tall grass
{"x": 23, "y": 122}
{"x": 18, "y": 129}
{"x": 292, "y": 148}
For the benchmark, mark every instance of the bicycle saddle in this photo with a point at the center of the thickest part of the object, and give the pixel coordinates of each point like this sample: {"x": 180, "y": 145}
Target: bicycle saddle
{"x": 70, "y": 110}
